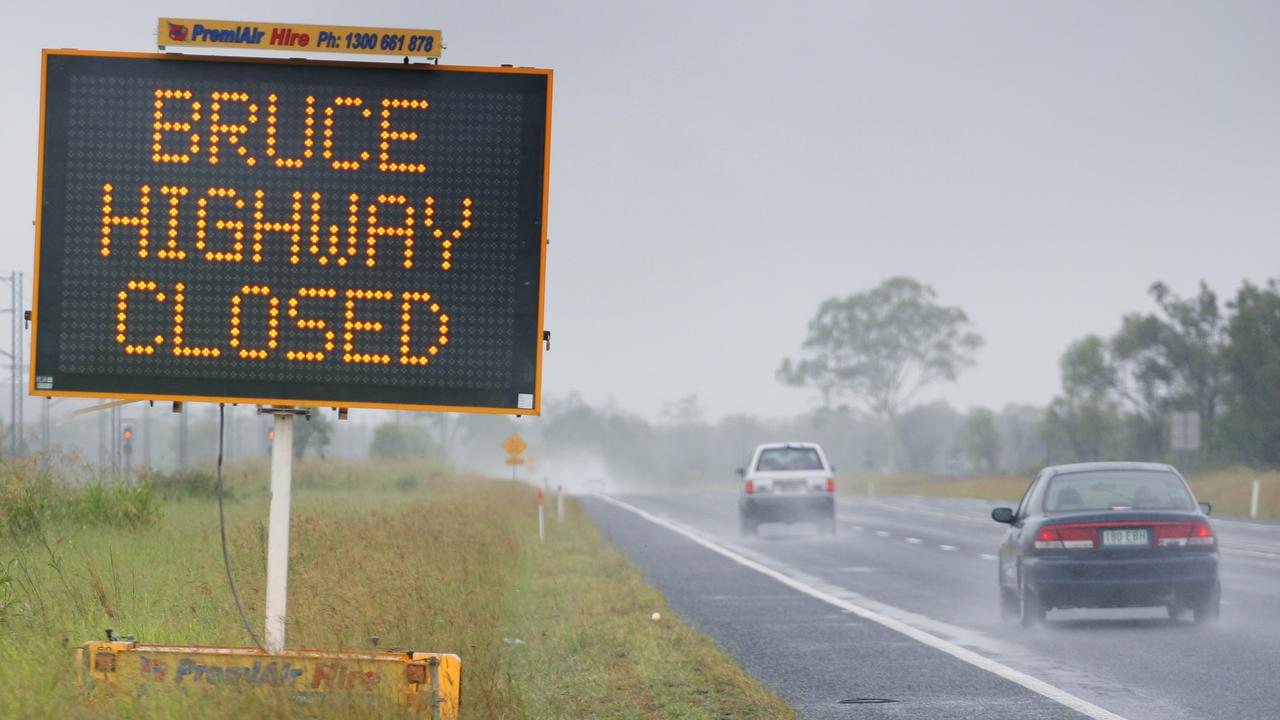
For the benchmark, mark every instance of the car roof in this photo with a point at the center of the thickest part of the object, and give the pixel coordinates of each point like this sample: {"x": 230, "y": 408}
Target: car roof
{"x": 1113, "y": 465}
{"x": 770, "y": 446}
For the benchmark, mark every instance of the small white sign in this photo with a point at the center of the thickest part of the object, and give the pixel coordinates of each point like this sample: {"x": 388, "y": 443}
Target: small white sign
{"x": 44, "y": 382}
{"x": 1184, "y": 430}
{"x": 524, "y": 401}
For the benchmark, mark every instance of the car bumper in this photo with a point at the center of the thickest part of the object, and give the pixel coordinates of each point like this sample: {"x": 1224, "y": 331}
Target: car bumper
{"x": 793, "y": 507}
{"x": 1065, "y": 582}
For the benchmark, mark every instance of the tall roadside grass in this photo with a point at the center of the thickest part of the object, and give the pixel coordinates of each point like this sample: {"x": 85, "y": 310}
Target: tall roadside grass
{"x": 1228, "y": 490}
{"x": 398, "y": 551}
{"x": 33, "y": 498}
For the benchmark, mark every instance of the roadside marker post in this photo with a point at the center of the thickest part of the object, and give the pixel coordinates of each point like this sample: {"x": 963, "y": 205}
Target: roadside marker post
{"x": 560, "y": 503}
{"x": 1253, "y": 500}
{"x": 541, "y": 524}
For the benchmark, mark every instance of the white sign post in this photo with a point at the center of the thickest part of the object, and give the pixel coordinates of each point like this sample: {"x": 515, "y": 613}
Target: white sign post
{"x": 278, "y": 528}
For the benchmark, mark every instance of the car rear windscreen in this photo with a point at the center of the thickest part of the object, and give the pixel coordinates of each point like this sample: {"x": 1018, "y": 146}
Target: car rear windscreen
{"x": 1114, "y": 489}
{"x": 786, "y": 458}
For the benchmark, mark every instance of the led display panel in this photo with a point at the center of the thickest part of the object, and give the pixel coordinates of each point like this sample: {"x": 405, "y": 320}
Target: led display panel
{"x": 245, "y": 230}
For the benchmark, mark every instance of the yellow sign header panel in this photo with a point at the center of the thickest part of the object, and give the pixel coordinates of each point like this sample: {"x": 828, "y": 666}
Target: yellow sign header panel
{"x": 291, "y": 37}
{"x": 420, "y": 684}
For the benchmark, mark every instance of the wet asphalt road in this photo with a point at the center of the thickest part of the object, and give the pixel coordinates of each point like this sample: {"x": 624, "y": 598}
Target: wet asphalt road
{"x": 930, "y": 562}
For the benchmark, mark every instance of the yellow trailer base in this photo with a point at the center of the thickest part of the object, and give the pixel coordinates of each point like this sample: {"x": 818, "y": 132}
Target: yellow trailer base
{"x": 425, "y": 684}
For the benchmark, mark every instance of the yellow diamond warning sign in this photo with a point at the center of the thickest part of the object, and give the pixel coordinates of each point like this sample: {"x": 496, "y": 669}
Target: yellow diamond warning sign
{"x": 514, "y": 445}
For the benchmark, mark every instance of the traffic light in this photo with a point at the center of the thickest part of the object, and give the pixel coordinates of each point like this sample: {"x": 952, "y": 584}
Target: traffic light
{"x": 128, "y": 439}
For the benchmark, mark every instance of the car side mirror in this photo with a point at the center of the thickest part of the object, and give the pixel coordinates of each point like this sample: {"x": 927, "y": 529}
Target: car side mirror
{"x": 742, "y": 472}
{"x": 1206, "y": 508}
{"x": 1002, "y": 515}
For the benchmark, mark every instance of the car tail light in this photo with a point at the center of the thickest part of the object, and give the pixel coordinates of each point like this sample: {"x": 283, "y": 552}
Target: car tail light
{"x": 751, "y": 487}
{"x": 831, "y": 485}
{"x": 1172, "y": 535}
{"x": 1078, "y": 537}
{"x": 1200, "y": 534}
{"x": 1193, "y": 534}
{"x": 1048, "y": 539}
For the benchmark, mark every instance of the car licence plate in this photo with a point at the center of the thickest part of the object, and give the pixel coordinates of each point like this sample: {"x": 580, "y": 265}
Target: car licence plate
{"x": 1125, "y": 537}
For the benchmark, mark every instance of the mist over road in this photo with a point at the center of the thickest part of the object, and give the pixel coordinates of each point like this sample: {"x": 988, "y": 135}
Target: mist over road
{"x": 930, "y": 563}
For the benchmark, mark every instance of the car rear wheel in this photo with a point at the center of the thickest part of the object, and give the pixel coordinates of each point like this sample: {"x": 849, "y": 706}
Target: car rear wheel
{"x": 1209, "y": 609}
{"x": 827, "y": 525}
{"x": 1030, "y": 609}
{"x": 1008, "y": 604}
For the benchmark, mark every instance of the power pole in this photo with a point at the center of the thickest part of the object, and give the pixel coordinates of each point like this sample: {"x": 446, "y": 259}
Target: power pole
{"x": 14, "y": 355}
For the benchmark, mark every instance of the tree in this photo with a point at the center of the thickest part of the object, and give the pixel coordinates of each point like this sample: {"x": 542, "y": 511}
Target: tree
{"x": 1252, "y": 360}
{"x": 313, "y": 431}
{"x": 978, "y": 439}
{"x": 1171, "y": 360}
{"x": 926, "y": 433}
{"x": 1021, "y": 441}
{"x": 1081, "y": 424}
{"x": 879, "y": 347}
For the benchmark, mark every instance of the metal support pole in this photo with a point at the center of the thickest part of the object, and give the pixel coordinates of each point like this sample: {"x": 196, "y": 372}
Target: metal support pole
{"x": 115, "y": 442}
{"x": 278, "y": 529}
{"x": 19, "y": 389}
{"x": 146, "y": 435}
{"x": 182, "y": 439}
{"x": 15, "y": 339}
{"x": 102, "y": 441}
{"x": 44, "y": 425}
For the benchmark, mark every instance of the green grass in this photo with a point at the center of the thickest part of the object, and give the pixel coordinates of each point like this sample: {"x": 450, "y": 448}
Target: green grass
{"x": 420, "y": 559}
{"x": 1228, "y": 490}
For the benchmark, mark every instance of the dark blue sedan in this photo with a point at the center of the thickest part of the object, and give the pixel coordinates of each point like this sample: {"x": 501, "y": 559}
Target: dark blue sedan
{"x": 1107, "y": 535}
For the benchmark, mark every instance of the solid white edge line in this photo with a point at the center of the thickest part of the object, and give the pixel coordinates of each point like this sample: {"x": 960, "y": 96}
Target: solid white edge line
{"x": 1033, "y": 684}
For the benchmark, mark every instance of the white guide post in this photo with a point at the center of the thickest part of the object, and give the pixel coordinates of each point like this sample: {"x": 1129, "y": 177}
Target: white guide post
{"x": 278, "y": 529}
{"x": 1253, "y": 500}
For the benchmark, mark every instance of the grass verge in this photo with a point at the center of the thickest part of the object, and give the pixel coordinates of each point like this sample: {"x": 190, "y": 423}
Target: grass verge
{"x": 420, "y": 560}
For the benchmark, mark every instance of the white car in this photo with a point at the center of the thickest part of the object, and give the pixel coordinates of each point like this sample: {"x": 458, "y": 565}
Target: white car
{"x": 787, "y": 482}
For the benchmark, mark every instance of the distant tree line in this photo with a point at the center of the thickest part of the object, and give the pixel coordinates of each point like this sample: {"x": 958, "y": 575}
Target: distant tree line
{"x": 867, "y": 355}
{"x": 1195, "y": 354}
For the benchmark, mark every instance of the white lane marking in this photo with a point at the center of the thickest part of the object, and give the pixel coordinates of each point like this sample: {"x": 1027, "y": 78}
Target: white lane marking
{"x": 985, "y": 556}
{"x": 857, "y": 527}
{"x": 947, "y": 548}
{"x": 914, "y": 541}
{"x": 1033, "y": 684}
{"x": 882, "y": 533}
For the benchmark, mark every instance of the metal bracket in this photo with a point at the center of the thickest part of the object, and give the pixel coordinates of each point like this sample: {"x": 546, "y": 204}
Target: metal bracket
{"x": 546, "y": 338}
{"x": 285, "y": 410}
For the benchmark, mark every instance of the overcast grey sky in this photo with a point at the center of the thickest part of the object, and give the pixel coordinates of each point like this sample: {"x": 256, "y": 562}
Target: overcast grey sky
{"x": 720, "y": 168}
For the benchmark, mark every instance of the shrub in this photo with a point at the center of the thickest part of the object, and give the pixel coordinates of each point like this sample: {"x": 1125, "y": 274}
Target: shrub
{"x": 31, "y": 498}
{"x": 397, "y": 440}
{"x": 188, "y": 482}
